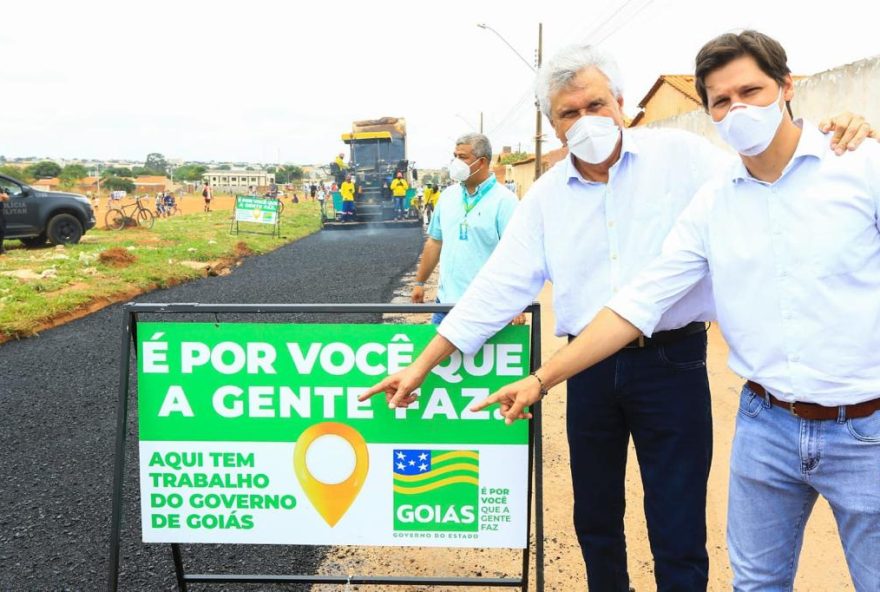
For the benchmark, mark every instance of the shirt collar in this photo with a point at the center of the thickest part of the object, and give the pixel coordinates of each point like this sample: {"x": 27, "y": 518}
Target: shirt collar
{"x": 811, "y": 143}
{"x": 630, "y": 146}
{"x": 484, "y": 186}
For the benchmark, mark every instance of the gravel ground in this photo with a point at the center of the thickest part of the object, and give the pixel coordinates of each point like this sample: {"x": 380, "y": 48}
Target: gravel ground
{"x": 57, "y": 416}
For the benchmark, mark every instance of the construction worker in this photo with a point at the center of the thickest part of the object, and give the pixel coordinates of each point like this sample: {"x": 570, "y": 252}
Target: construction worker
{"x": 339, "y": 168}
{"x": 347, "y": 191}
{"x": 431, "y": 195}
{"x": 399, "y": 187}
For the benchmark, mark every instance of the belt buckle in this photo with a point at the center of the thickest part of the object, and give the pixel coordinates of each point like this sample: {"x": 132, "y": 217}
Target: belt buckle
{"x": 792, "y": 409}
{"x": 641, "y": 341}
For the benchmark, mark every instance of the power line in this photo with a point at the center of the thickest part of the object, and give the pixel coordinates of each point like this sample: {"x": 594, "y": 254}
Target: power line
{"x": 523, "y": 100}
{"x": 597, "y": 28}
{"x": 624, "y": 23}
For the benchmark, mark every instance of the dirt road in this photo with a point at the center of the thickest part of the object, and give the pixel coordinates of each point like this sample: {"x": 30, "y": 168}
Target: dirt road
{"x": 822, "y": 565}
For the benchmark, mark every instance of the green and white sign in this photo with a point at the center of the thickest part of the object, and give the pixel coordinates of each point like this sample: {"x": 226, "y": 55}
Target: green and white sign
{"x": 256, "y": 209}
{"x": 252, "y": 433}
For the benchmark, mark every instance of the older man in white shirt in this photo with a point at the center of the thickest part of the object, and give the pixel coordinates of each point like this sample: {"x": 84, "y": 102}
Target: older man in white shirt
{"x": 589, "y": 225}
{"x": 791, "y": 238}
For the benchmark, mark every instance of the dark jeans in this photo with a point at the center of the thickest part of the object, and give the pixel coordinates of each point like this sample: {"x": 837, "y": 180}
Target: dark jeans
{"x": 660, "y": 396}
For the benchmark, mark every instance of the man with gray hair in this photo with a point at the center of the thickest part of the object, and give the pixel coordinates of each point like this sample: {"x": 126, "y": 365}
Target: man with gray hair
{"x": 590, "y": 225}
{"x": 467, "y": 223}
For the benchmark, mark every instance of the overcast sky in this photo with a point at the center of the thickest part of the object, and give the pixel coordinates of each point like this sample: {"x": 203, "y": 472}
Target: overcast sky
{"x": 264, "y": 81}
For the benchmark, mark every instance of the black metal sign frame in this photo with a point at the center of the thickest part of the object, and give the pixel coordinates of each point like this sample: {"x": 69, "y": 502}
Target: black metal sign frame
{"x": 535, "y": 480}
{"x": 234, "y": 224}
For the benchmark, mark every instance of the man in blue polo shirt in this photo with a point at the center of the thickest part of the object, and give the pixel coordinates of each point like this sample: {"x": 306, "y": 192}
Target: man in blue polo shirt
{"x": 467, "y": 224}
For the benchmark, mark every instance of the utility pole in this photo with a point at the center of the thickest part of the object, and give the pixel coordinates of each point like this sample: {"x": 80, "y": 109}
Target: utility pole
{"x": 538, "y": 54}
{"x": 538, "y": 152}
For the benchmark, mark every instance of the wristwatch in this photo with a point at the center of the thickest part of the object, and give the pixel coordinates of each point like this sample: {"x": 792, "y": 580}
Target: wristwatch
{"x": 419, "y": 284}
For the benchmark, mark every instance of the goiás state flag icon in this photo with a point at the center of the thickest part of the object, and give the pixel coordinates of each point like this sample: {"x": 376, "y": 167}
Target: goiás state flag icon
{"x": 436, "y": 490}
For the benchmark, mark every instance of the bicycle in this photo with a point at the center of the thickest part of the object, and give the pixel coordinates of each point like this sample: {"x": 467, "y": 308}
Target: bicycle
{"x": 135, "y": 214}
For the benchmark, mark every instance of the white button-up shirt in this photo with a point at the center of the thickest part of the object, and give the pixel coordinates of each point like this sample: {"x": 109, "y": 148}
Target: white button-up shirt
{"x": 590, "y": 238}
{"x": 795, "y": 266}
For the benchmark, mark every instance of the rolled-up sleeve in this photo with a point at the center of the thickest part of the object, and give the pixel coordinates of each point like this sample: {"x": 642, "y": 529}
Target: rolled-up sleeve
{"x": 435, "y": 230}
{"x": 680, "y": 266}
{"x": 508, "y": 282}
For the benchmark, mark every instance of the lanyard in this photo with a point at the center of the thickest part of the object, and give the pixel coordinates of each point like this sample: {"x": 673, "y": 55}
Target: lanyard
{"x": 481, "y": 191}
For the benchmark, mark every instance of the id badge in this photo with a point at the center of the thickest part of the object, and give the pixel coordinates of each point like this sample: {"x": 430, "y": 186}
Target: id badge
{"x": 463, "y": 230}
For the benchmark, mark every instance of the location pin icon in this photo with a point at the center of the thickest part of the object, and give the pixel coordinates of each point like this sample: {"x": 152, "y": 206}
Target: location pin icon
{"x": 331, "y": 500}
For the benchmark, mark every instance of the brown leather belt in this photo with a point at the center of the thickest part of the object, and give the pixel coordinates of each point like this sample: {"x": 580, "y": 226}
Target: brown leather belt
{"x": 814, "y": 411}
{"x": 662, "y": 337}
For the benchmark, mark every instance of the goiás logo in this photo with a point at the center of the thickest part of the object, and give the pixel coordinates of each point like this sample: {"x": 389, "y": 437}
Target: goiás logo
{"x": 436, "y": 490}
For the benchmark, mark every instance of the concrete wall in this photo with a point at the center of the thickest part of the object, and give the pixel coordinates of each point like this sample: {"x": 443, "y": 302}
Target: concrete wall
{"x": 667, "y": 102}
{"x": 854, "y": 87}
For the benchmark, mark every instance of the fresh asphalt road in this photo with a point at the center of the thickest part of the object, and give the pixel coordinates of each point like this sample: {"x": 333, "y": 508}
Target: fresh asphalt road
{"x": 58, "y": 395}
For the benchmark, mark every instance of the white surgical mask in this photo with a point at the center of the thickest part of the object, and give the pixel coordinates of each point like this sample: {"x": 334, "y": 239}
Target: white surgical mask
{"x": 750, "y": 130}
{"x": 460, "y": 171}
{"x": 593, "y": 138}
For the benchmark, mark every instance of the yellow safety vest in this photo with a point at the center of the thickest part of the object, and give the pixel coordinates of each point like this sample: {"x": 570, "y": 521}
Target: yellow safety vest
{"x": 347, "y": 191}
{"x": 399, "y": 187}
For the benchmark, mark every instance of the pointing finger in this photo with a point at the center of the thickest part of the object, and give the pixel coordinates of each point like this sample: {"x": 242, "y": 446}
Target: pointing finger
{"x": 376, "y": 388}
{"x": 490, "y": 400}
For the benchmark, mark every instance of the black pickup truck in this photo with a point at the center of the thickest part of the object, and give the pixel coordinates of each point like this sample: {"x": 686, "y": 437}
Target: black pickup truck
{"x": 36, "y": 216}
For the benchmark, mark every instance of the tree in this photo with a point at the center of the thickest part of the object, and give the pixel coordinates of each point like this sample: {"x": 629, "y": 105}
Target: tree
{"x": 513, "y": 157}
{"x": 117, "y": 172}
{"x": 156, "y": 163}
{"x": 190, "y": 172}
{"x": 72, "y": 173}
{"x": 118, "y": 184}
{"x": 223, "y": 167}
{"x": 288, "y": 172}
{"x": 44, "y": 169}
{"x": 15, "y": 172}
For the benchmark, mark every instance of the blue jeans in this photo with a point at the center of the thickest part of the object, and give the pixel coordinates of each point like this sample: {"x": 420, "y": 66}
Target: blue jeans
{"x": 398, "y": 206}
{"x": 438, "y": 317}
{"x": 659, "y": 395}
{"x": 779, "y": 465}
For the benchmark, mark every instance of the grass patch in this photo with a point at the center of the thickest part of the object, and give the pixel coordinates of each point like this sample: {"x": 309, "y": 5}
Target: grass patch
{"x": 39, "y": 285}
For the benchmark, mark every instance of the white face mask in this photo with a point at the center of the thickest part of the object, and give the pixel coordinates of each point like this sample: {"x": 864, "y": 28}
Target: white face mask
{"x": 593, "y": 138}
{"x": 460, "y": 171}
{"x": 750, "y": 130}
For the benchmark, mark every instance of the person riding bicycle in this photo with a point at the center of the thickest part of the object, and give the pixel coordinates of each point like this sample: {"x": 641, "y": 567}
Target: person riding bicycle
{"x": 169, "y": 203}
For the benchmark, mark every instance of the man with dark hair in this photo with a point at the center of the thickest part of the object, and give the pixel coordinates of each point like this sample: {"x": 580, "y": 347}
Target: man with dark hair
{"x": 3, "y": 199}
{"x": 790, "y": 236}
{"x": 207, "y": 195}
